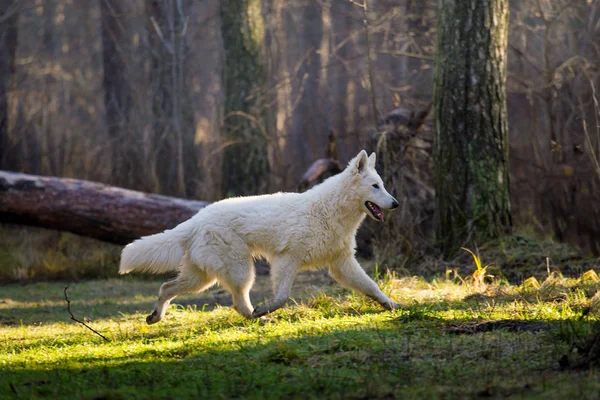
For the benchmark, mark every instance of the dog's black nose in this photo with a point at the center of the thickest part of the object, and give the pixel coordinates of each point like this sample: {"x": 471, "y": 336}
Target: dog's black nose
{"x": 395, "y": 204}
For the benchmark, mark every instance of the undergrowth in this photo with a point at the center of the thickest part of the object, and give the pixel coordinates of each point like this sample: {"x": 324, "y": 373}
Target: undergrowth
{"x": 28, "y": 253}
{"x": 514, "y": 258}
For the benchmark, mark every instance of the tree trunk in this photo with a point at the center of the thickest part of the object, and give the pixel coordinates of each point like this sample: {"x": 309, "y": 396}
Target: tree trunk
{"x": 117, "y": 99}
{"x": 245, "y": 162}
{"x": 91, "y": 209}
{"x": 9, "y": 10}
{"x": 471, "y": 138}
{"x": 172, "y": 113}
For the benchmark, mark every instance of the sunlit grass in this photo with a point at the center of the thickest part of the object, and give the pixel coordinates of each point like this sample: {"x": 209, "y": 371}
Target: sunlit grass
{"x": 332, "y": 345}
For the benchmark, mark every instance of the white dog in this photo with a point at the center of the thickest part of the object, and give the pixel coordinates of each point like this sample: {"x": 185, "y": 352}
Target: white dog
{"x": 293, "y": 231}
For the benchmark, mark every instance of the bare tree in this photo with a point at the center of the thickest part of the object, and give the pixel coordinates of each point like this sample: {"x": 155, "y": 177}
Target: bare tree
{"x": 167, "y": 25}
{"x": 471, "y": 138}
{"x": 245, "y": 164}
{"x": 9, "y": 15}
{"x": 117, "y": 99}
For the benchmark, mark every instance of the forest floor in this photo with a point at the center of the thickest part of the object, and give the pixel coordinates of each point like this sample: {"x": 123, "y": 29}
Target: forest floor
{"x": 455, "y": 337}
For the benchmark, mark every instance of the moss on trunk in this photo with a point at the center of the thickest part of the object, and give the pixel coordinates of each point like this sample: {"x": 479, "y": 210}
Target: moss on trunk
{"x": 471, "y": 137}
{"x": 245, "y": 163}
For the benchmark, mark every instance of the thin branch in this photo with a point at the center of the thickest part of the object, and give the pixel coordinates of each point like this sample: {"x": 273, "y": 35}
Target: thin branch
{"x": 363, "y": 6}
{"x": 81, "y": 322}
{"x": 168, "y": 45}
{"x": 249, "y": 117}
{"x": 591, "y": 145}
{"x": 525, "y": 57}
{"x": 407, "y": 54}
{"x": 369, "y": 61}
{"x": 226, "y": 144}
{"x": 12, "y": 10}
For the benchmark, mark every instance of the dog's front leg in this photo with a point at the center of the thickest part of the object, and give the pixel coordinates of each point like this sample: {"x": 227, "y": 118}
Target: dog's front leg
{"x": 283, "y": 273}
{"x": 348, "y": 273}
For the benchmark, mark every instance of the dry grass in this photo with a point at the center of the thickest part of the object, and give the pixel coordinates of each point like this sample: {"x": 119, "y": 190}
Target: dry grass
{"x": 28, "y": 253}
{"x": 34, "y": 254}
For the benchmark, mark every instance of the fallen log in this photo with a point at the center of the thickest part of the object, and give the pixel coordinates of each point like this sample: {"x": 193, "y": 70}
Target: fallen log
{"x": 322, "y": 168}
{"x": 318, "y": 171}
{"x": 104, "y": 212}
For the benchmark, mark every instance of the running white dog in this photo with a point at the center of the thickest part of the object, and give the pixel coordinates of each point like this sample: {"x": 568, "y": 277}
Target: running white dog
{"x": 293, "y": 231}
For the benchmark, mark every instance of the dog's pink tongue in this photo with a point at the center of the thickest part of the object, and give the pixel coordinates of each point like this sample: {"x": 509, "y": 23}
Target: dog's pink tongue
{"x": 378, "y": 212}
{"x": 375, "y": 210}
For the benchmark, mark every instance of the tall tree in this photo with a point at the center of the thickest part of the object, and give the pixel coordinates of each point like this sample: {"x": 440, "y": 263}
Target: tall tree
{"x": 117, "y": 99}
{"x": 245, "y": 164}
{"x": 173, "y": 118}
{"x": 471, "y": 137}
{"x": 9, "y": 15}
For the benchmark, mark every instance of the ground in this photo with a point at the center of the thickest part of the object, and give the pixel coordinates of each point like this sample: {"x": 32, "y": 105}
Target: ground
{"x": 455, "y": 337}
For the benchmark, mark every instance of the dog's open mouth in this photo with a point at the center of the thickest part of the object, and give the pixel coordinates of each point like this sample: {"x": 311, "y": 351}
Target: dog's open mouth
{"x": 375, "y": 211}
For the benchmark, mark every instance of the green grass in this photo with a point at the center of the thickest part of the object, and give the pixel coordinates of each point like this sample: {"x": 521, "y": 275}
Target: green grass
{"x": 335, "y": 345}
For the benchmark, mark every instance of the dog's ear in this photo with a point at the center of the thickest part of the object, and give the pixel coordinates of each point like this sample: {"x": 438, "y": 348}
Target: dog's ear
{"x": 372, "y": 160}
{"x": 359, "y": 163}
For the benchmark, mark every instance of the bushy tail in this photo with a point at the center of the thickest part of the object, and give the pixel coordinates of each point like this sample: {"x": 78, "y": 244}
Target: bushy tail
{"x": 155, "y": 254}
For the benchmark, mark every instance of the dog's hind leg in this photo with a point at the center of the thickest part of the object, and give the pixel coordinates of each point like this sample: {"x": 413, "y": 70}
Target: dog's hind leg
{"x": 283, "y": 273}
{"x": 348, "y": 273}
{"x": 238, "y": 280}
{"x": 241, "y": 301}
{"x": 191, "y": 279}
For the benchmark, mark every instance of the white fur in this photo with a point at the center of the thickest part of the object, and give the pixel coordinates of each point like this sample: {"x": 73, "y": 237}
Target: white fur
{"x": 292, "y": 231}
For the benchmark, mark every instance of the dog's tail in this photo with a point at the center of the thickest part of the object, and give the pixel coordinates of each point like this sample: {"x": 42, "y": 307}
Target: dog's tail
{"x": 155, "y": 254}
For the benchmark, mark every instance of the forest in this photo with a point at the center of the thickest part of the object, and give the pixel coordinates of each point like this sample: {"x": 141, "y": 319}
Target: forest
{"x": 120, "y": 119}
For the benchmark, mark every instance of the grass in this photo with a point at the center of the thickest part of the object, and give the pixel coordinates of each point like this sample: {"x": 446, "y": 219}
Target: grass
{"x": 452, "y": 339}
{"x": 29, "y": 253}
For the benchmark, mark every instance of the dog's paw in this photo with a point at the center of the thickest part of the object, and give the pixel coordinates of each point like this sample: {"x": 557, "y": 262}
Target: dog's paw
{"x": 260, "y": 311}
{"x": 391, "y": 306}
{"x": 265, "y": 320}
{"x": 152, "y": 318}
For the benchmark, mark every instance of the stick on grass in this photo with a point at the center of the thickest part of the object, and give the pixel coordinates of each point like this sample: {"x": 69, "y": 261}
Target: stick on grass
{"x": 81, "y": 322}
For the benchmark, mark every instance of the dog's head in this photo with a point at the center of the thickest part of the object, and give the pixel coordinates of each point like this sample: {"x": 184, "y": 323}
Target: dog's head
{"x": 369, "y": 187}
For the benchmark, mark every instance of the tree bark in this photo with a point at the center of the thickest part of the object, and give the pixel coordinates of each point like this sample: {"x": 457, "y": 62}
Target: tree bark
{"x": 9, "y": 15}
{"x": 117, "y": 99}
{"x": 471, "y": 137}
{"x": 91, "y": 209}
{"x": 172, "y": 113}
{"x": 245, "y": 162}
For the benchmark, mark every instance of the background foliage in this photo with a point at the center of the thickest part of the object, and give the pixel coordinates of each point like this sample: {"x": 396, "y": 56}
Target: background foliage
{"x": 141, "y": 94}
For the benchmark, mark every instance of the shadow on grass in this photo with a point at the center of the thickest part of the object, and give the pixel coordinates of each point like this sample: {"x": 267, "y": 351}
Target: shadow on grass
{"x": 102, "y": 308}
{"x": 44, "y": 302}
{"x": 415, "y": 354}
{"x": 34, "y": 315}
{"x": 367, "y": 362}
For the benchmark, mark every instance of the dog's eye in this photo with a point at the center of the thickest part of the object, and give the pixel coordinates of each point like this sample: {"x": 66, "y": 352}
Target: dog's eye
{"x": 376, "y": 186}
